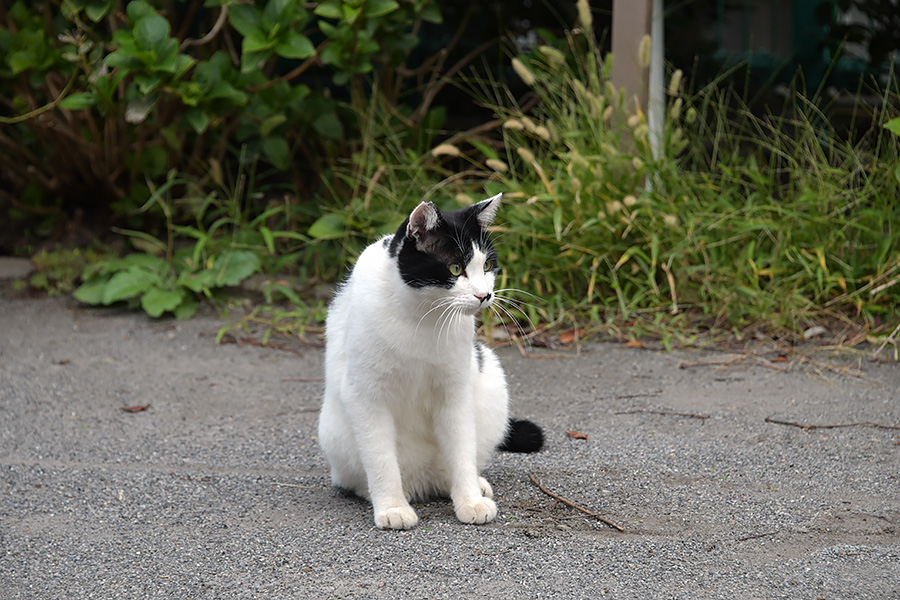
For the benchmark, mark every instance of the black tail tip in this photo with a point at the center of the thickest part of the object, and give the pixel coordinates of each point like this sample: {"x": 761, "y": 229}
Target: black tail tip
{"x": 522, "y": 436}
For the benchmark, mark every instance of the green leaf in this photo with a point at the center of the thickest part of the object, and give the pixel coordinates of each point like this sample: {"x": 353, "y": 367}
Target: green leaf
{"x": 148, "y": 244}
{"x": 245, "y": 19}
{"x": 557, "y": 223}
{"x": 91, "y": 292}
{"x": 198, "y": 119}
{"x": 893, "y": 126}
{"x": 78, "y": 101}
{"x": 276, "y": 13}
{"x": 329, "y": 126}
{"x": 158, "y": 300}
{"x": 97, "y": 10}
{"x": 351, "y": 14}
{"x": 270, "y": 124}
{"x": 278, "y": 152}
{"x": 295, "y": 46}
{"x": 197, "y": 282}
{"x": 183, "y": 63}
{"x": 138, "y": 9}
{"x": 431, "y": 13}
{"x": 233, "y": 266}
{"x": 330, "y": 9}
{"x": 266, "y": 234}
{"x": 187, "y": 308}
{"x": 256, "y": 43}
{"x": 327, "y": 227}
{"x": 139, "y": 107}
{"x": 151, "y": 32}
{"x": 128, "y": 284}
{"x": 379, "y": 8}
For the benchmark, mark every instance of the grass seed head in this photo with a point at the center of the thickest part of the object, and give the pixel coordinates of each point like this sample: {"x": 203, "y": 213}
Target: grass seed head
{"x": 675, "y": 82}
{"x": 522, "y": 71}
{"x": 554, "y": 56}
{"x": 542, "y": 132}
{"x": 584, "y": 15}
{"x": 445, "y": 150}
{"x": 644, "y": 51}
{"x": 497, "y": 165}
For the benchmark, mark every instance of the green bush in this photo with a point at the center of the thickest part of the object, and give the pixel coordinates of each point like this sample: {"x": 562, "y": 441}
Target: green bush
{"x": 105, "y": 98}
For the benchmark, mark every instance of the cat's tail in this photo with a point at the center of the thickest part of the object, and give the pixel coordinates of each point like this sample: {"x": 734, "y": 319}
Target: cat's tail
{"x": 522, "y": 436}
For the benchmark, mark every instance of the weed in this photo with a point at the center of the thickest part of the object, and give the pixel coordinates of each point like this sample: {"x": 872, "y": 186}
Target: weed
{"x": 59, "y": 271}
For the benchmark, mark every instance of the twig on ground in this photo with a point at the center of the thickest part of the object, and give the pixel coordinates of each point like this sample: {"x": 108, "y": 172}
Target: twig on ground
{"x": 838, "y": 426}
{"x": 892, "y": 339}
{"x": 526, "y": 354}
{"x": 638, "y": 395}
{"x": 668, "y": 413}
{"x": 304, "y": 379}
{"x": 729, "y": 363}
{"x": 297, "y": 485}
{"x": 230, "y": 338}
{"x": 573, "y": 505}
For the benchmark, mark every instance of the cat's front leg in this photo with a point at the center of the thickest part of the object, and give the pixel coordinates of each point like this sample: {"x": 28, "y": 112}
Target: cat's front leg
{"x": 470, "y": 493}
{"x": 375, "y": 433}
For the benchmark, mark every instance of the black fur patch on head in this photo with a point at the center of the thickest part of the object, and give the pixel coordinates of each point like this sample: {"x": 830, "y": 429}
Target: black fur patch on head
{"x": 425, "y": 261}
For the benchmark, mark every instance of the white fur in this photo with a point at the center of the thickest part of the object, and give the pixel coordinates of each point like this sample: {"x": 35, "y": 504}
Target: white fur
{"x": 406, "y": 412}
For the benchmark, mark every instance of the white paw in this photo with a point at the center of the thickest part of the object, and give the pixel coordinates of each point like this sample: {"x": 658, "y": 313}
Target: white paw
{"x": 480, "y": 511}
{"x": 486, "y": 490}
{"x": 396, "y": 517}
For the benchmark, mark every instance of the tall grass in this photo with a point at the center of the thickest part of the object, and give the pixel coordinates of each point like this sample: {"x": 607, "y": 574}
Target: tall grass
{"x": 741, "y": 221}
{"x": 744, "y": 220}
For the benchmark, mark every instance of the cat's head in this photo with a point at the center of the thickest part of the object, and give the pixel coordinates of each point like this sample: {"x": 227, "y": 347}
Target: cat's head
{"x": 449, "y": 255}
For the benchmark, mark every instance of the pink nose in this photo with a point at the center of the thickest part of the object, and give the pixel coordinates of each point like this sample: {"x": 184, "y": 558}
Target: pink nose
{"x": 483, "y": 297}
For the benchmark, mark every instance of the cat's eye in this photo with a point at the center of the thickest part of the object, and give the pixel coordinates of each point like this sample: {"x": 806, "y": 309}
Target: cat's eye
{"x": 456, "y": 269}
{"x": 488, "y": 265}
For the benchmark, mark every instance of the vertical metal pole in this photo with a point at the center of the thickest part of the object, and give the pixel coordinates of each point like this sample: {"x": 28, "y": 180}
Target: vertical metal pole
{"x": 656, "y": 110}
{"x": 630, "y": 23}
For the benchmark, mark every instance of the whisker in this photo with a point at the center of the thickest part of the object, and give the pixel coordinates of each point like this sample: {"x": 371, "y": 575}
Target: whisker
{"x": 446, "y": 318}
{"x": 521, "y": 331}
{"x": 435, "y": 305}
{"x": 517, "y": 305}
{"x": 517, "y": 290}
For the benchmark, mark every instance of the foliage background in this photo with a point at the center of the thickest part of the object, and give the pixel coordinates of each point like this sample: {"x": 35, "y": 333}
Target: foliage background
{"x": 205, "y": 141}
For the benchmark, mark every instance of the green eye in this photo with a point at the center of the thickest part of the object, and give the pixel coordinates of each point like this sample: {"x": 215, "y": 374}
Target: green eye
{"x": 488, "y": 265}
{"x": 456, "y": 269}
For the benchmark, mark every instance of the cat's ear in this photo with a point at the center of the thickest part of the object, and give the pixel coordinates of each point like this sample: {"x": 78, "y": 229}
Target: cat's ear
{"x": 423, "y": 219}
{"x": 486, "y": 210}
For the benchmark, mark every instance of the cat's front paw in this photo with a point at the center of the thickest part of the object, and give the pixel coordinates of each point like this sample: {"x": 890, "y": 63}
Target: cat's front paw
{"x": 486, "y": 490}
{"x": 396, "y": 517}
{"x": 482, "y": 510}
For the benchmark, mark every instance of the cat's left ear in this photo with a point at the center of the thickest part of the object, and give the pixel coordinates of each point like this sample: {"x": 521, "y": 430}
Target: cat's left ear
{"x": 424, "y": 219}
{"x": 486, "y": 210}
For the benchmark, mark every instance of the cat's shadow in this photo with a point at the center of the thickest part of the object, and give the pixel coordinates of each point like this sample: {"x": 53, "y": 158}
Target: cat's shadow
{"x": 427, "y": 510}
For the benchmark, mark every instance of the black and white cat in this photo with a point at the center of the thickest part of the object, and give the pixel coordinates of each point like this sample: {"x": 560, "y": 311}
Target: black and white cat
{"x": 414, "y": 406}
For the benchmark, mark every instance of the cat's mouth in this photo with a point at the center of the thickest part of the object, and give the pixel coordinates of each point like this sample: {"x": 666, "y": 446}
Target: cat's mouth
{"x": 479, "y": 303}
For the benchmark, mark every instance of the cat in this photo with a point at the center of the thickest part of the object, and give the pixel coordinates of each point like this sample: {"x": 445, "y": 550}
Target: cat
{"x": 414, "y": 406}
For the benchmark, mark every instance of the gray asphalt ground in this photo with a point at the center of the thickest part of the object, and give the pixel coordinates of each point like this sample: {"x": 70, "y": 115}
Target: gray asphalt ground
{"x": 218, "y": 489}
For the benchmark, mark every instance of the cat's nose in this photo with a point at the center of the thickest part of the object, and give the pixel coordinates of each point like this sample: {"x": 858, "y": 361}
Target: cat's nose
{"x": 483, "y": 297}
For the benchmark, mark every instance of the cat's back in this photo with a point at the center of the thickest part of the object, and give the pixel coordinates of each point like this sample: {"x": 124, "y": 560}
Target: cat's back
{"x": 365, "y": 281}
{"x": 359, "y": 299}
